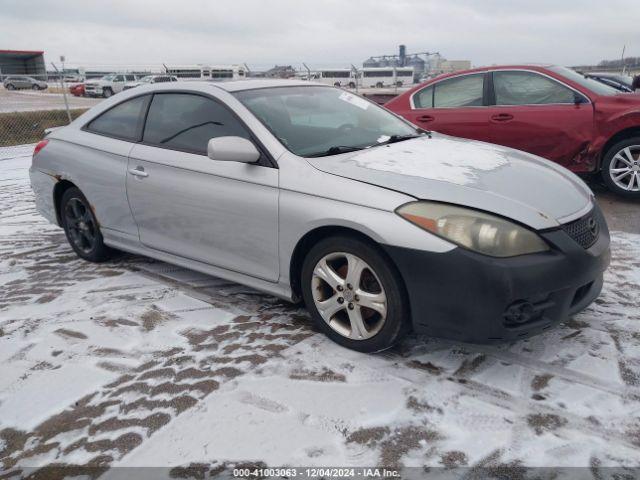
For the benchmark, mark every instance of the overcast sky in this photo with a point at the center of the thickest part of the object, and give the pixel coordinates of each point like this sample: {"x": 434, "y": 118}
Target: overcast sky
{"x": 320, "y": 32}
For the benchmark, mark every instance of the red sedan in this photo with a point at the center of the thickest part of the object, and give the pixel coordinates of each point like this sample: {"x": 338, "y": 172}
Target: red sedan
{"x": 549, "y": 111}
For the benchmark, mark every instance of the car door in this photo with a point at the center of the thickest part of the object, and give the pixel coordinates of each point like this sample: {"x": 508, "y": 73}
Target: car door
{"x": 101, "y": 157}
{"x": 540, "y": 115}
{"x": 454, "y": 106}
{"x": 220, "y": 213}
{"x": 118, "y": 83}
{"x": 23, "y": 82}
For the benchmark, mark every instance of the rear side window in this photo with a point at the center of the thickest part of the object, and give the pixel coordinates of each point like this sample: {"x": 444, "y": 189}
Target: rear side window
{"x": 424, "y": 98}
{"x": 187, "y": 122}
{"x": 124, "y": 121}
{"x": 528, "y": 88}
{"x": 465, "y": 91}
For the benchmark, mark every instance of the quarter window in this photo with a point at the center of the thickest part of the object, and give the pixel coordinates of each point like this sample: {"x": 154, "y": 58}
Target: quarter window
{"x": 187, "y": 122}
{"x": 123, "y": 121}
{"x": 464, "y": 91}
{"x": 528, "y": 88}
{"x": 424, "y": 98}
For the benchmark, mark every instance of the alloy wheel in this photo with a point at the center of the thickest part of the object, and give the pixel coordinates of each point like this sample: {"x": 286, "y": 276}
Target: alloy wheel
{"x": 80, "y": 225}
{"x": 349, "y": 295}
{"x": 624, "y": 168}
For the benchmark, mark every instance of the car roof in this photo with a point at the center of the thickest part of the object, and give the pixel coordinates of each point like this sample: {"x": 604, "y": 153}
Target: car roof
{"x": 520, "y": 66}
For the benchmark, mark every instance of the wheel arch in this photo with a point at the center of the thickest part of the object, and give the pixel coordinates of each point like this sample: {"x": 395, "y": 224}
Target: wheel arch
{"x": 311, "y": 238}
{"x": 618, "y": 137}
{"x": 58, "y": 191}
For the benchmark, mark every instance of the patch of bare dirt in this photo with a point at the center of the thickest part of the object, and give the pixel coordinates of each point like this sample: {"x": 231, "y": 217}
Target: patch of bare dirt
{"x": 418, "y": 406}
{"x": 426, "y": 366}
{"x": 323, "y": 375}
{"x": 63, "y": 332}
{"x": 154, "y": 317}
{"x": 541, "y": 382}
{"x": 454, "y": 459}
{"x": 545, "y": 422}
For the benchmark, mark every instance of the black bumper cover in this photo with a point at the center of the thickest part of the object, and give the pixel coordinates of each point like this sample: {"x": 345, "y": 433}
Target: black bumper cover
{"x": 464, "y": 296}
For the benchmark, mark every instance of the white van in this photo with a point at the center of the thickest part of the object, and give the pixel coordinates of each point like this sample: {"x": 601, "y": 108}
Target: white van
{"x": 208, "y": 72}
{"x": 379, "y": 77}
{"x": 338, "y": 77}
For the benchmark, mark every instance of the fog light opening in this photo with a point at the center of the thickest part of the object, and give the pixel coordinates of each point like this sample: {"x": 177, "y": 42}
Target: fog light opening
{"x": 519, "y": 312}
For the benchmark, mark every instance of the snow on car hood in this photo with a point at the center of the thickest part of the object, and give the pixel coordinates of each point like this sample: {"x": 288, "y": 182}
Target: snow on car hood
{"x": 488, "y": 177}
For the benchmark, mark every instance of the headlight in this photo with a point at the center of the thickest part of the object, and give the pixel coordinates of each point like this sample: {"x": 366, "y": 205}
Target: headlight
{"x": 472, "y": 229}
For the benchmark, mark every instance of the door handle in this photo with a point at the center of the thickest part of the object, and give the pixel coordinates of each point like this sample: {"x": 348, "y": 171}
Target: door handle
{"x": 502, "y": 117}
{"x": 138, "y": 172}
{"x": 426, "y": 118}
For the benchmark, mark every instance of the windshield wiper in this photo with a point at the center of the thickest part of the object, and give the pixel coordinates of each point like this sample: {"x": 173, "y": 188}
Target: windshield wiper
{"x": 400, "y": 138}
{"x": 336, "y": 150}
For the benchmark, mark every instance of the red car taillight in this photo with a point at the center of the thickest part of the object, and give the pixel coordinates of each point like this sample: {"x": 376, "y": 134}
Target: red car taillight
{"x": 41, "y": 144}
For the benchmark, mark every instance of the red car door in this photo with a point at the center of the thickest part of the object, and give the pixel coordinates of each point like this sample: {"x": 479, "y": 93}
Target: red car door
{"x": 454, "y": 106}
{"x": 540, "y": 115}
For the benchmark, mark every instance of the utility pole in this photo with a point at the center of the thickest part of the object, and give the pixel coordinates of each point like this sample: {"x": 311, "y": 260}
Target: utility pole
{"x": 624, "y": 47}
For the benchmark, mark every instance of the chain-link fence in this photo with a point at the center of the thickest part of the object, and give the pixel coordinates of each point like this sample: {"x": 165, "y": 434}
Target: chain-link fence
{"x": 30, "y": 104}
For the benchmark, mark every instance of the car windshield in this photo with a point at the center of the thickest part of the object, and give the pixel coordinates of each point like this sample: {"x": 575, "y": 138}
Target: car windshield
{"x": 108, "y": 78}
{"x": 588, "y": 83}
{"x": 316, "y": 121}
{"x": 146, "y": 79}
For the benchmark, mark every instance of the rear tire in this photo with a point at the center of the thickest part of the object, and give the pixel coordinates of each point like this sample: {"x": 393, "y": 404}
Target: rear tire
{"x": 82, "y": 228}
{"x": 362, "y": 277}
{"x": 352, "y": 85}
{"x": 621, "y": 168}
{"x": 379, "y": 85}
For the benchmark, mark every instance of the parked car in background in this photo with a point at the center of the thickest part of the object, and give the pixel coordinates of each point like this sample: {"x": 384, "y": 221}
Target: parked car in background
{"x": 149, "y": 79}
{"x": 108, "y": 85}
{"x": 17, "y": 82}
{"x": 307, "y": 191}
{"x": 77, "y": 90}
{"x": 551, "y": 111}
{"x": 615, "y": 80}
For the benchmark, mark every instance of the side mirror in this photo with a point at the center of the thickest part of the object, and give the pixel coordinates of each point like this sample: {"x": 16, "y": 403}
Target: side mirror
{"x": 578, "y": 98}
{"x": 232, "y": 149}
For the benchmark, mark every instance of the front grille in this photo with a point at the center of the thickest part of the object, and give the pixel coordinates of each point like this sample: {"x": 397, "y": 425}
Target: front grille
{"x": 585, "y": 230}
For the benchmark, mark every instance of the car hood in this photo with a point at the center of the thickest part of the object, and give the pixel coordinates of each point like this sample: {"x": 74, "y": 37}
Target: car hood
{"x": 508, "y": 182}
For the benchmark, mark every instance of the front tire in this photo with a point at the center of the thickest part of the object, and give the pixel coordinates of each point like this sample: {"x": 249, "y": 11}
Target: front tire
{"x": 107, "y": 92}
{"x": 621, "y": 168}
{"x": 11, "y": 87}
{"x": 82, "y": 228}
{"x": 355, "y": 294}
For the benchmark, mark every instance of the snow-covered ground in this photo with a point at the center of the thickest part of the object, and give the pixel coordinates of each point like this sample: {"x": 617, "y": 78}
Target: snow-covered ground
{"x": 138, "y": 363}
